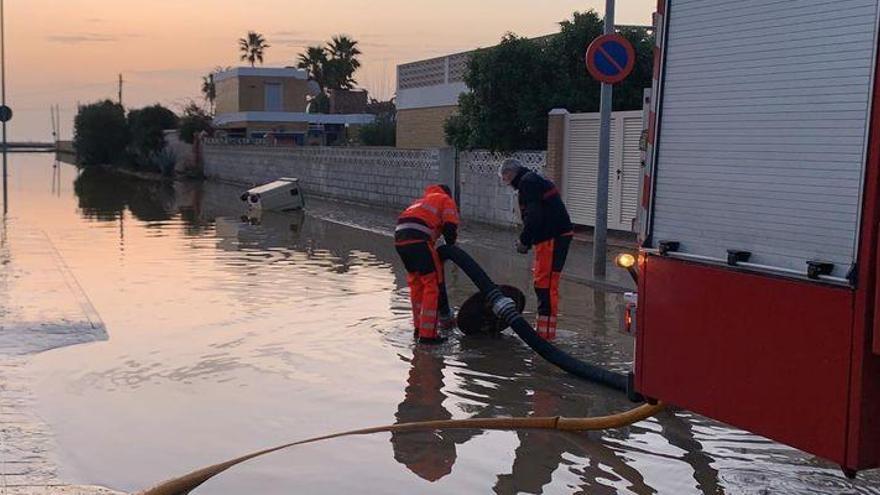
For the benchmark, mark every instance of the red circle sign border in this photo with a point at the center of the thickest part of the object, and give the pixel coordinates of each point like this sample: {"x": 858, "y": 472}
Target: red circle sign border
{"x": 594, "y": 47}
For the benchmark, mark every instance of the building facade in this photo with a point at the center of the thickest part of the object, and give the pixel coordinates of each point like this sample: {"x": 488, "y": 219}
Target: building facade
{"x": 427, "y": 95}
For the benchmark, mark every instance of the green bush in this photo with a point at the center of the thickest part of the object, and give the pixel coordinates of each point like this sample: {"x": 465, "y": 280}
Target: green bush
{"x": 146, "y": 126}
{"x": 100, "y": 134}
{"x": 382, "y": 132}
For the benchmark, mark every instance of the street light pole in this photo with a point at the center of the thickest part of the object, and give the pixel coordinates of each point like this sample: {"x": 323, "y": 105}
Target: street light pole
{"x": 600, "y": 232}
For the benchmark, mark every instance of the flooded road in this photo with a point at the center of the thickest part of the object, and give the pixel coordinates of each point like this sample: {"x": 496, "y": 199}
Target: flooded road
{"x": 222, "y": 337}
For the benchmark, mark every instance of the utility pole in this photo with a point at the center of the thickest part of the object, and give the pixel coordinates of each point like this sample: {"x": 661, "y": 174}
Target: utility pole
{"x": 600, "y": 233}
{"x": 120, "y": 89}
{"x": 55, "y": 111}
{"x": 3, "y": 98}
{"x": 54, "y": 124}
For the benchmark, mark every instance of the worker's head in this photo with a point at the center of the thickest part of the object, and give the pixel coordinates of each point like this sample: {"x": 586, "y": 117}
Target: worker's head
{"x": 439, "y": 189}
{"x": 509, "y": 169}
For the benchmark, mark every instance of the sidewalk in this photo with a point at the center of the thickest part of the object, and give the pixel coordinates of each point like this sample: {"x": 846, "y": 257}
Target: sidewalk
{"x": 42, "y": 307}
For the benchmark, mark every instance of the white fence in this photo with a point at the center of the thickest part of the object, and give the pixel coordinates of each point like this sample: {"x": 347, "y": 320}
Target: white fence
{"x": 387, "y": 177}
{"x": 382, "y": 176}
{"x": 483, "y": 196}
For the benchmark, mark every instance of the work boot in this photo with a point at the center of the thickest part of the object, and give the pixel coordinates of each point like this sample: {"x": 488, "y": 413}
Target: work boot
{"x": 446, "y": 322}
{"x": 432, "y": 340}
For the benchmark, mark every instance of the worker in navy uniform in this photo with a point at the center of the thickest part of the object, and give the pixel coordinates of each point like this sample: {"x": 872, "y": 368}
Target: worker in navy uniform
{"x": 546, "y": 228}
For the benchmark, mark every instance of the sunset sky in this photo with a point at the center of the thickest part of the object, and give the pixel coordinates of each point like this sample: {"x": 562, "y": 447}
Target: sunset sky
{"x": 68, "y": 51}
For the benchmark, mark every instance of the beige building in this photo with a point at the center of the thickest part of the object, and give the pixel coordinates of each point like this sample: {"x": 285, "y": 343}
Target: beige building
{"x": 259, "y": 89}
{"x": 254, "y": 102}
{"x": 427, "y": 94}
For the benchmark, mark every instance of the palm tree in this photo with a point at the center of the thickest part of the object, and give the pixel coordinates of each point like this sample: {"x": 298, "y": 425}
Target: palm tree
{"x": 343, "y": 62}
{"x": 314, "y": 60}
{"x": 209, "y": 91}
{"x": 252, "y": 47}
{"x": 344, "y": 48}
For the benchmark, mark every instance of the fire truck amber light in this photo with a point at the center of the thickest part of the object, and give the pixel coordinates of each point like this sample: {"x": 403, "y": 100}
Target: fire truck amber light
{"x": 625, "y": 260}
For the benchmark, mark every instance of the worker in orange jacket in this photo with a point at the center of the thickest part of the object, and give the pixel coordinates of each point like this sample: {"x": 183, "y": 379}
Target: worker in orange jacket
{"x": 547, "y": 227}
{"x": 415, "y": 238}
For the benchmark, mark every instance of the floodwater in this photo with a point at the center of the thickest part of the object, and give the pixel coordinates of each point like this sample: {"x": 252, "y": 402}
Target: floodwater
{"x": 224, "y": 337}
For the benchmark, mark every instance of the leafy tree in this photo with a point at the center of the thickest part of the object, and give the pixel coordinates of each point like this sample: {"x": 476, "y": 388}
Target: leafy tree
{"x": 382, "y": 132}
{"x": 515, "y": 84}
{"x": 579, "y": 92}
{"x": 146, "y": 126}
{"x": 252, "y": 47}
{"x": 512, "y": 86}
{"x": 193, "y": 121}
{"x": 629, "y": 94}
{"x": 100, "y": 134}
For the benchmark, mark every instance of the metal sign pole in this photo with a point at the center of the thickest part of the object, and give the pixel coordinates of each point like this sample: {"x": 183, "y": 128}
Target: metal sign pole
{"x": 600, "y": 232}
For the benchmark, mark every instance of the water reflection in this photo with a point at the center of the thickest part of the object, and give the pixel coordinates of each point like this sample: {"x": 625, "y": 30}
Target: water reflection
{"x": 523, "y": 391}
{"x": 104, "y": 196}
{"x": 267, "y": 230}
{"x": 56, "y": 178}
{"x": 430, "y": 455}
{"x": 487, "y": 377}
{"x": 101, "y": 196}
{"x": 473, "y": 383}
{"x": 680, "y": 433}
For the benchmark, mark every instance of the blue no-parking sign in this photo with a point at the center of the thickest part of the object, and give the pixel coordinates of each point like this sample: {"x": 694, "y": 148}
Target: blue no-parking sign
{"x": 610, "y": 58}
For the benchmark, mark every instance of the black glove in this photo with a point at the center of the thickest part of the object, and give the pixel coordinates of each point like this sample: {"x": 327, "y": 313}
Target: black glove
{"x": 522, "y": 248}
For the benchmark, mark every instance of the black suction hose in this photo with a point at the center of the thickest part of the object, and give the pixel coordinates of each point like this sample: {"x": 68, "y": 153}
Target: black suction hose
{"x": 505, "y": 309}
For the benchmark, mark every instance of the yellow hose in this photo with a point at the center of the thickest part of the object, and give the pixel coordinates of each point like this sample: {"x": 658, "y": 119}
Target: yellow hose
{"x": 189, "y": 482}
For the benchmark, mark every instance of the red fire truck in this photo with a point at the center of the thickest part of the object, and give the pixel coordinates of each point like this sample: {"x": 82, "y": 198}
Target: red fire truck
{"x": 760, "y": 257}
